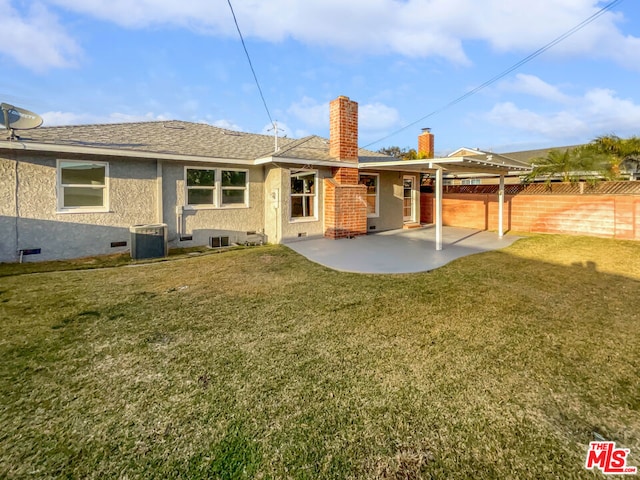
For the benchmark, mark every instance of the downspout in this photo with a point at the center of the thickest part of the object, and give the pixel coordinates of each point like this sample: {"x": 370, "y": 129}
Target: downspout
{"x": 160, "y": 206}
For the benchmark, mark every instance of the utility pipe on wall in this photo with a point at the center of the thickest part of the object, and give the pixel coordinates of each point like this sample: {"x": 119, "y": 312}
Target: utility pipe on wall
{"x": 159, "y": 204}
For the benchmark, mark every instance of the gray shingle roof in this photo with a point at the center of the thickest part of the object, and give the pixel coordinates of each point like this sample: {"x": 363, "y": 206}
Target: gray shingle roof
{"x": 176, "y": 137}
{"x": 168, "y": 137}
{"x": 528, "y": 156}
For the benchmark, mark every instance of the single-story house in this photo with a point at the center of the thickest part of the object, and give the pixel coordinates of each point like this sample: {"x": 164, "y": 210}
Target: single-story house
{"x": 74, "y": 191}
{"x": 629, "y": 168}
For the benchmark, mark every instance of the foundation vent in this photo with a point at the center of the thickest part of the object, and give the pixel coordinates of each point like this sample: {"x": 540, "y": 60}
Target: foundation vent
{"x": 218, "y": 242}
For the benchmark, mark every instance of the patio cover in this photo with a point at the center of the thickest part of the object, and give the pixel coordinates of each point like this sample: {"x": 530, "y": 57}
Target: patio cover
{"x": 481, "y": 163}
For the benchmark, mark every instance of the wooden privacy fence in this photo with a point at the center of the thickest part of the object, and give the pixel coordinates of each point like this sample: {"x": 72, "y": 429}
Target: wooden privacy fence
{"x": 604, "y": 209}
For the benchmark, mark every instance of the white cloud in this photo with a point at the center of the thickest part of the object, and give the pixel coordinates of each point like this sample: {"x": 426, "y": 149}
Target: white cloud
{"x": 35, "y": 39}
{"x": 532, "y": 85}
{"x": 226, "y": 124}
{"x": 311, "y": 113}
{"x": 373, "y": 118}
{"x": 377, "y": 117}
{"x": 413, "y": 28}
{"x": 607, "y": 113}
{"x": 57, "y": 118}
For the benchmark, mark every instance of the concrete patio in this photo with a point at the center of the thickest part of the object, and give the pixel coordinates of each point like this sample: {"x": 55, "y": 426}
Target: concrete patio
{"x": 400, "y": 251}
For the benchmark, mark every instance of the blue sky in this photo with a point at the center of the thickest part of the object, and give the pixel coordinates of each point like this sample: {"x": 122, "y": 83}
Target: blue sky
{"x": 97, "y": 61}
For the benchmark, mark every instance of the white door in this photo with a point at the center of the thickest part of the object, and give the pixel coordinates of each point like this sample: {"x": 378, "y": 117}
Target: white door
{"x": 408, "y": 213}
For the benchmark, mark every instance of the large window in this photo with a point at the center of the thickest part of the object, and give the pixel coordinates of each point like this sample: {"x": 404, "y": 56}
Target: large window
{"x": 234, "y": 187}
{"x": 83, "y": 186}
{"x": 370, "y": 180}
{"x": 201, "y": 186}
{"x": 216, "y": 187}
{"x": 303, "y": 195}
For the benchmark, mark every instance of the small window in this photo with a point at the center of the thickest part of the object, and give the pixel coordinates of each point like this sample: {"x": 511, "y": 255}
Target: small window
{"x": 82, "y": 186}
{"x": 370, "y": 180}
{"x": 303, "y": 195}
{"x": 234, "y": 187}
{"x": 470, "y": 181}
{"x": 201, "y": 186}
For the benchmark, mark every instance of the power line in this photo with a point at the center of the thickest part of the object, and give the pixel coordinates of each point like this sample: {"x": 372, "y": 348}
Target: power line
{"x": 506, "y": 72}
{"x": 264, "y": 102}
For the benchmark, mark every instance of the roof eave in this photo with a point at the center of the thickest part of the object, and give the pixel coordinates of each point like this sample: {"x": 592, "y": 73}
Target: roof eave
{"x": 304, "y": 161}
{"x": 116, "y": 152}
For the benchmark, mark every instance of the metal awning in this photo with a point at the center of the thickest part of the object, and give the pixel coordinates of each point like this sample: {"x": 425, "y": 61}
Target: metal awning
{"x": 464, "y": 164}
{"x": 461, "y": 164}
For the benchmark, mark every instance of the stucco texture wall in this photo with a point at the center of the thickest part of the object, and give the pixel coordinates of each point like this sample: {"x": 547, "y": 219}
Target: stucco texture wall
{"x": 202, "y": 223}
{"x": 294, "y": 230}
{"x": 8, "y": 247}
{"x": 73, "y": 235}
{"x": 391, "y": 201}
{"x": 272, "y": 205}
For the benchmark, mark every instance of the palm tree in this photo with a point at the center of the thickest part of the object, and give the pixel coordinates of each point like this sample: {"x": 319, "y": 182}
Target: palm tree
{"x": 630, "y": 155}
{"x": 623, "y": 153}
{"x": 558, "y": 163}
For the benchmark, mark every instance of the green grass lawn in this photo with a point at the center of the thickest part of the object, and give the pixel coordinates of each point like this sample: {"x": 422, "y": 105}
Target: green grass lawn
{"x": 257, "y": 363}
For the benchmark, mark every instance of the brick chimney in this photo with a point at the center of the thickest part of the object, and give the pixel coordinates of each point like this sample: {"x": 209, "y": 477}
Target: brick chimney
{"x": 345, "y": 206}
{"x": 425, "y": 144}
{"x": 343, "y": 129}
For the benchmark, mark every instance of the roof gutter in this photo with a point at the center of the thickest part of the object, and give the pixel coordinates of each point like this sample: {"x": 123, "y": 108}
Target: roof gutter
{"x": 298, "y": 161}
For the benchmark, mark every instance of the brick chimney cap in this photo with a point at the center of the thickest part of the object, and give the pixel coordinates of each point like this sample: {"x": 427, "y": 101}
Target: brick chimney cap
{"x": 426, "y": 130}
{"x": 343, "y": 96}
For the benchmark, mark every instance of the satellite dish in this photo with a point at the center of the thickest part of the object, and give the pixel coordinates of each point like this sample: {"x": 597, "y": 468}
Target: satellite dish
{"x": 15, "y": 118}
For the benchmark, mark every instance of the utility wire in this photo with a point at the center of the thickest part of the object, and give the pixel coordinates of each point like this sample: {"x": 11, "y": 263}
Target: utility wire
{"x": 264, "y": 102}
{"x": 506, "y": 72}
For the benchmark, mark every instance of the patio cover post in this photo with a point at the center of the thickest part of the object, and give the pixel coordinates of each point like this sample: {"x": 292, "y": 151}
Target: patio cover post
{"x": 438, "y": 208}
{"x": 501, "y": 206}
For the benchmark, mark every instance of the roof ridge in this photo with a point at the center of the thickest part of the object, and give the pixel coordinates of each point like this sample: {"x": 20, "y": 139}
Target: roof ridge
{"x": 156, "y": 122}
{"x": 296, "y": 143}
{"x": 115, "y": 123}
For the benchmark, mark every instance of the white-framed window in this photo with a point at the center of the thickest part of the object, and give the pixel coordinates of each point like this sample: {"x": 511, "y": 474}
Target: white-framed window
{"x": 201, "y": 186}
{"x": 216, "y": 187}
{"x": 372, "y": 182}
{"x": 470, "y": 181}
{"x": 303, "y": 198}
{"x": 234, "y": 187}
{"x": 82, "y": 186}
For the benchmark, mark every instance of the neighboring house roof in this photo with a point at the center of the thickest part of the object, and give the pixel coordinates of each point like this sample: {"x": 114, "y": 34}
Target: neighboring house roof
{"x": 178, "y": 140}
{"x": 528, "y": 156}
{"x": 491, "y": 157}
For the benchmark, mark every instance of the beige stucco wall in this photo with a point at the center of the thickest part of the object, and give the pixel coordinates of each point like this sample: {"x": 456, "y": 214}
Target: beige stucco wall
{"x": 202, "y": 223}
{"x": 272, "y": 194}
{"x": 134, "y": 189}
{"x": 132, "y": 200}
{"x": 390, "y": 202}
{"x": 8, "y": 247}
{"x": 295, "y": 230}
